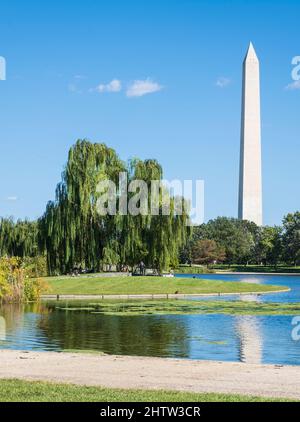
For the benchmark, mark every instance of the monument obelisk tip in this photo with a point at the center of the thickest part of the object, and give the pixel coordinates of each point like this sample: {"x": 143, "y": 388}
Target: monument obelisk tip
{"x": 251, "y": 53}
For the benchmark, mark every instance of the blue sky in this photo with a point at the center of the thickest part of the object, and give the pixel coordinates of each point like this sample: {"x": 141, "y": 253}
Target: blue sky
{"x": 62, "y": 57}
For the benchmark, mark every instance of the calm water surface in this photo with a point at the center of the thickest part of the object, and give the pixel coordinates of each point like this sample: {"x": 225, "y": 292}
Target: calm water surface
{"x": 255, "y": 339}
{"x": 293, "y": 282}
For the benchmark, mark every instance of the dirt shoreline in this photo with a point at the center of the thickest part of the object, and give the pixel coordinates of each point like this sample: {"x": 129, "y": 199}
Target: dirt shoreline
{"x": 152, "y": 373}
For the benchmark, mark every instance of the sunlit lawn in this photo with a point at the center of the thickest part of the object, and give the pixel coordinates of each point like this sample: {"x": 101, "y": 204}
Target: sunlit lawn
{"x": 24, "y": 391}
{"x": 148, "y": 285}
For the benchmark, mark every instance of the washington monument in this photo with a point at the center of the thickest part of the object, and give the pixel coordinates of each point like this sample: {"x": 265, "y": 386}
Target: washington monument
{"x": 250, "y": 189}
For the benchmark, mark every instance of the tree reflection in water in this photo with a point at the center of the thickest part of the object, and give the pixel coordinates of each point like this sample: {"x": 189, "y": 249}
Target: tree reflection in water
{"x": 151, "y": 335}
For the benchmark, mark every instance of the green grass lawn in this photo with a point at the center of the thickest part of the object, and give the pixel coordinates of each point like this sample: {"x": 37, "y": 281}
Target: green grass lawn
{"x": 25, "y": 391}
{"x": 178, "y": 307}
{"x": 148, "y": 285}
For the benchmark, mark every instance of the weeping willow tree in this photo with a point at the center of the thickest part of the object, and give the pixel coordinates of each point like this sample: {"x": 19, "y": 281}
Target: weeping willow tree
{"x": 74, "y": 234}
{"x": 153, "y": 238}
{"x": 19, "y": 238}
{"x": 71, "y": 230}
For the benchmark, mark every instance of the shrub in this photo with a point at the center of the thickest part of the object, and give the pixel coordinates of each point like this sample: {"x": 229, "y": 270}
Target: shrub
{"x": 36, "y": 266}
{"x": 15, "y": 285}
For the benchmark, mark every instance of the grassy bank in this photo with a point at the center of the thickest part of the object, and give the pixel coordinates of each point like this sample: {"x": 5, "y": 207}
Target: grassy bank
{"x": 148, "y": 285}
{"x": 24, "y": 391}
{"x": 179, "y": 307}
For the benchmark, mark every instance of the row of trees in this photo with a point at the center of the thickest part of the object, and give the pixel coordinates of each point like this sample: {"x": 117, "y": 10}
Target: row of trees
{"x": 232, "y": 241}
{"x": 94, "y": 241}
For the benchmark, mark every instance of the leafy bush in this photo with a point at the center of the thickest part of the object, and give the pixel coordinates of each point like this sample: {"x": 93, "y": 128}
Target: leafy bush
{"x": 15, "y": 284}
{"x": 36, "y": 266}
{"x": 33, "y": 288}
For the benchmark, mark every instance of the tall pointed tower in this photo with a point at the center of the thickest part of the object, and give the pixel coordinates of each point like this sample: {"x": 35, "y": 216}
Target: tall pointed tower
{"x": 250, "y": 190}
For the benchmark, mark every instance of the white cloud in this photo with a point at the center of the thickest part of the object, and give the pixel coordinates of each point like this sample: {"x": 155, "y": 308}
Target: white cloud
{"x": 12, "y": 198}
{"x": 114, "y": 86}
{"x": 293, "y": 86}
{"x": 142, "y": 87}
{"x": 222, "y": 82}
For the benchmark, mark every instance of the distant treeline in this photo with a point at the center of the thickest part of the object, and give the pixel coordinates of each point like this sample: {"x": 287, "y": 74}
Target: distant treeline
{"x": 232, "y": 241}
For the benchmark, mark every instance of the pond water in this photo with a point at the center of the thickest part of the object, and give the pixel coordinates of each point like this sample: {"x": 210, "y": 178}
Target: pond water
{"x": 291, "y": 281}
{"x": 253, "y": 339}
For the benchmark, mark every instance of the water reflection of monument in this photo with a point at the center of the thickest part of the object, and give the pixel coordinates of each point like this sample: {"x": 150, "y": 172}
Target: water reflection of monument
{"x": 248, "y": 329}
